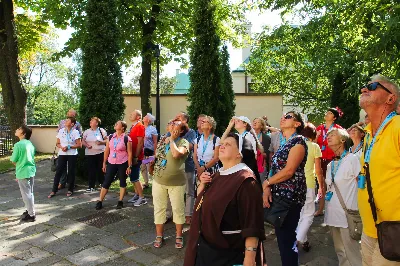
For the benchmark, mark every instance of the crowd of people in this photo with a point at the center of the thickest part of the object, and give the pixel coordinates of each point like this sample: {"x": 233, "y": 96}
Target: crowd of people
{"x": 226, "y": 187}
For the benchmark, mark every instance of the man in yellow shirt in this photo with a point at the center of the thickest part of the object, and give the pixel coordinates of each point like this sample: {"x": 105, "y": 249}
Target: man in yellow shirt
{"x": 382, "y": 151}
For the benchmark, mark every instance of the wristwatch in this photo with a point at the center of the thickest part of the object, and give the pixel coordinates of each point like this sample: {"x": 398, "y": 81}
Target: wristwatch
{"x": 251, "y": 249}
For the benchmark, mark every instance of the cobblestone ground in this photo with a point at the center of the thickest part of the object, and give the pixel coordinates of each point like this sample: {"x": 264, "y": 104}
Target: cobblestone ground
{"x": 68, "y": 231}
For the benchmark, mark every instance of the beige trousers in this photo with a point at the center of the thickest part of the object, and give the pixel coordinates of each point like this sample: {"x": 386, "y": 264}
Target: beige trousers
{"x": 161, "y": 194}
{"x": 371, "y": 255}
{"x": 346, "y": 248}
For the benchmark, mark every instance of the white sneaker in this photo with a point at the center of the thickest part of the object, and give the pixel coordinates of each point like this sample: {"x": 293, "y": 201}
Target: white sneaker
{"x": 134, "y": 198}
{"x": 140, "y": 202}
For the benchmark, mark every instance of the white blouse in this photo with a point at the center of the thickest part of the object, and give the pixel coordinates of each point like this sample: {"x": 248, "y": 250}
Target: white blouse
{"x": 209, "y": 148}
{"x": 346, "y": 182}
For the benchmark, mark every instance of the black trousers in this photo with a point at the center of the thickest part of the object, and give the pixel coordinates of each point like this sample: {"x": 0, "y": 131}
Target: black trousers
{"x": 63, "y": 162}
{"x": 286, "y": 236}
{"x": 113, "y": 170}
{"x": 94, "y": 166}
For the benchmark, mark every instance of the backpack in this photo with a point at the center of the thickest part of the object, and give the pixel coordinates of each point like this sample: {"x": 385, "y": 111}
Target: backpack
{"x": 125, "y": 139}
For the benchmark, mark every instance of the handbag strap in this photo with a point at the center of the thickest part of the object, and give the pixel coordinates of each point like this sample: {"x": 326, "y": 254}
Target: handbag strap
{"x": 340, "y": 197}
{"x": 370, "y": 195}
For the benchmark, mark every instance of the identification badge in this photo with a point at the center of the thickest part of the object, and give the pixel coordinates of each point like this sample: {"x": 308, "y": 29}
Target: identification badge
{"x": 164, "y": 162}
{"x": 114, "y": 155}
{"x": 202, "y": 163}
{"x": 361, "y": 181}
{"x": 328, "y": 196}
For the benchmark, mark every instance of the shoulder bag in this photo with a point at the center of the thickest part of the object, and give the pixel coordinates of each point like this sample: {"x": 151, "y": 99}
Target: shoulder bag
{"x": 353, "y": 217}
{"x": 277, "y": 212}
{"x": 388, "y": 231}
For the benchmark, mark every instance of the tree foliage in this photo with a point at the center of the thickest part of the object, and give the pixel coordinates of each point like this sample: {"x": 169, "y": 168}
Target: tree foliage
{"x": 206, "y": 93}
{"x": 101, "y": 81}
{"x": 323, "y": 62}
{"x": 167, "y": 84}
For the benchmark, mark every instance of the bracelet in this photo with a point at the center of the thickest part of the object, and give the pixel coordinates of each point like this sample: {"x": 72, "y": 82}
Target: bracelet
{"x": 251, "y": 249}
{"x": 268, "y": 183}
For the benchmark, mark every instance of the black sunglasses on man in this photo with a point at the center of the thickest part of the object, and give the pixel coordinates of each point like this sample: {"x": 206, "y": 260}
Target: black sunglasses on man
{"x": 373, "y": 86}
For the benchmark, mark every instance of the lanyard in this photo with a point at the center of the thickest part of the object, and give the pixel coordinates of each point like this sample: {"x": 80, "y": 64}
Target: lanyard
{"x": 205, "y": 145}
{"x": 284, "y": 140}
{"x": 357, "y": 148}
{"x": 333, "y": 171}
{"x": 69, "y": 139}
{"x": 276, "y": 155}
{"x": 116, "y": 141}
{"x": 259, "y": 135}
{"x": 368, "y": 150}
{"x": 97, "y": 132}
{"x": 244, "y": 133}
{"x": 168, "y": 146}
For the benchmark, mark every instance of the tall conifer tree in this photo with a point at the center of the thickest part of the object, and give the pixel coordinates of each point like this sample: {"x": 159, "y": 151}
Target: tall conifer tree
{"x": 101, "y": 82}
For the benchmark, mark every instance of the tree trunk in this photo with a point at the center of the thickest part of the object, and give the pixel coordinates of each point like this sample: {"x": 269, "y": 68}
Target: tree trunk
{"x": 145, "y": 79}
{"x": 14, "y": 94}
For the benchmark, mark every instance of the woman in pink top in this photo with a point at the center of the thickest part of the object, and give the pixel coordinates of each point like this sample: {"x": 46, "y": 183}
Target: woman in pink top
{"x": 118, "y": 154}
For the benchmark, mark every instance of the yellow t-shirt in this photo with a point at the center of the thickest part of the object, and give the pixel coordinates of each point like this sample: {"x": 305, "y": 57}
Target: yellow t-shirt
{"x": 384, "y": 168}
{"x": 314, "y": 152}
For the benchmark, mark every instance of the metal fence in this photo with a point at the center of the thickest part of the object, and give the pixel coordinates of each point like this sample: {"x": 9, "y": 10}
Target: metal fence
{"x": 6, "y": 141}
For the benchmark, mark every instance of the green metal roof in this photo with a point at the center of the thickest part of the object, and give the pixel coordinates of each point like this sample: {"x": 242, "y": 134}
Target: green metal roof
{"x": 241, "y": 68}
{"x": 182, "y": 84}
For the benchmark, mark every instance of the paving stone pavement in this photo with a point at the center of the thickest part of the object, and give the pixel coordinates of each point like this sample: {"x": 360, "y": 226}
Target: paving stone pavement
{"x": 61, "y": 237}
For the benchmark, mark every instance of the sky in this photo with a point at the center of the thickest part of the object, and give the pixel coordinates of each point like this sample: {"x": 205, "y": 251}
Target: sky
{"x": 257, "y": 19}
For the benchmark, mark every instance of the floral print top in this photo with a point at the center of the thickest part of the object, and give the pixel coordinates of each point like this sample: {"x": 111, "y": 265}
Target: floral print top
{"x": 295, "y": 188}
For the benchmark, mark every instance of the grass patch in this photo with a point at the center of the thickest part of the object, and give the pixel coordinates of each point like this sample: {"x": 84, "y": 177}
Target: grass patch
{"x": 6, "y": 164}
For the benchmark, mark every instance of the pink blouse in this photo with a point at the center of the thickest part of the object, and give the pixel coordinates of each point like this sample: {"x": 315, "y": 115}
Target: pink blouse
{"x": 118, "y": 150}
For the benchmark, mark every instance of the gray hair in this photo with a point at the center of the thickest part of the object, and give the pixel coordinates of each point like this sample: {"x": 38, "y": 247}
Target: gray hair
{"x": 343, "y": 136}
{"x": 395, "y": 87}
{"x": 212, "y": 121}
{"x": 151, "y": 117}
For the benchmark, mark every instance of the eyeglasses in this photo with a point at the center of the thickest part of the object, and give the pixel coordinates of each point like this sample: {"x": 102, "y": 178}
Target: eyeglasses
{"x": 288, "y": 116}
{"x": 373, "y": 86}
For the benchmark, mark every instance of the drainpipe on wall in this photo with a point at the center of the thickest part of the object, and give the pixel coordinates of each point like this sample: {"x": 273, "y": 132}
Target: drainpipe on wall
{"x": 246, "y": 89}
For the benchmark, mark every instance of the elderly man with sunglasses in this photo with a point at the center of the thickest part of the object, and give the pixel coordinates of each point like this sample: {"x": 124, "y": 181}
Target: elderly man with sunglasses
{"x": 379, "y": 180}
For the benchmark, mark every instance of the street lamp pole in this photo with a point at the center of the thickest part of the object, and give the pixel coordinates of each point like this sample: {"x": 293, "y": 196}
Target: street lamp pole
{"x": 157, "y": 55}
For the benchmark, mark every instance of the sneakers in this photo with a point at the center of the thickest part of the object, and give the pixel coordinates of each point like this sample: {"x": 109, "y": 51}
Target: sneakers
{"x": 90, "y": 190}
{"x": 134, "y": 198}
{"x": 140, "y": 202}
{"x": 120, "y": 204}
{"x": 99, "y": 205}
{"x": 29, "y": 218}
{"x": 24, "y": 214}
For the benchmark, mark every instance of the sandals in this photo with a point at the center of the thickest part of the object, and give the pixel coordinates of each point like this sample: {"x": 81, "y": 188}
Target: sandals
{"x": 52, "y": 194}
{"x": 69, "y": 193}
{"x": 179, "y": 244}
{"x": 158, "y": 243}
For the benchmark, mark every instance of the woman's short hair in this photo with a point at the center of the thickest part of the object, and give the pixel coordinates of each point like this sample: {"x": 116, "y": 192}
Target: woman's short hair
{"x": 309, "y": 131}
{"x": 182, "y": 126}
{"x": 124, "y": 125}
{"x": 72, "y": 119}
{"x": 263, "y": 123}
{"x": 27, "y": 131}
{"x": 298, "y": 118}
{"x": 212, "y": 121}
{"x": 97, "y": 119}
{"x": 343, "y": 136}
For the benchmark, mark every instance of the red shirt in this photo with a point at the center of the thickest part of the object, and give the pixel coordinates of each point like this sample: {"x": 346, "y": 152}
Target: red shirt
{"x": 136, "y": 131}
{"x": 326, "y": 153}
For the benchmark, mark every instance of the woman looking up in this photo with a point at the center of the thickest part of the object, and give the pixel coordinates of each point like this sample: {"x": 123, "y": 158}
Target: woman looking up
{"x": 227, "y": 226}
{"x": 259, "y": 127}
{"x": 331, "y": 117}
{"x": 357, "y": 134}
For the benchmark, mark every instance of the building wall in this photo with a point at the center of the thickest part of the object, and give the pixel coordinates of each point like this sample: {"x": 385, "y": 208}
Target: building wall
{"x": 44, "y": 138}
{"x": 250, "y": 105}
{"x": 238, "y": 80}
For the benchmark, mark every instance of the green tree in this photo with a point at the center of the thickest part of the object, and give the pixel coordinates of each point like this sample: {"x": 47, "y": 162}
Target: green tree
{"x": 226, "y": 108}
{"x": 205, "y": 77}
{"x": 101, "y": 81}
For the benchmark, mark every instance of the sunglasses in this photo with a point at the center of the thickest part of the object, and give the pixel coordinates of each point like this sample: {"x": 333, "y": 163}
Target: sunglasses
{"x": 288, "y": 116}
{"x": 373, "y": 86}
